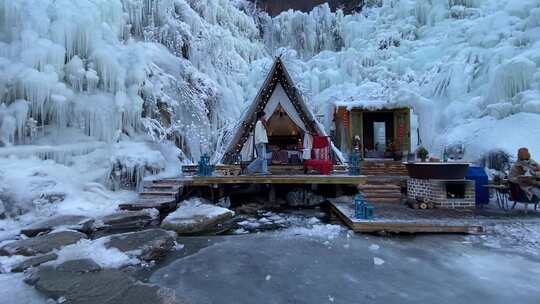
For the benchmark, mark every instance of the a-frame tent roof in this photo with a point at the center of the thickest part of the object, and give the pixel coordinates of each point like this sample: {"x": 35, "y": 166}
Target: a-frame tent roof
{"x": 278, "y": 75}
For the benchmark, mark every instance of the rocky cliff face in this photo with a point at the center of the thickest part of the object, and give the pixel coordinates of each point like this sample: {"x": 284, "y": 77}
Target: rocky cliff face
{"x": 274, "y": 7}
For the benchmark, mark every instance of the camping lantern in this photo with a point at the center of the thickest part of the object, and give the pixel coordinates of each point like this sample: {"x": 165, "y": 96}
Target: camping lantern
{"x": 359, "y": 204}
{"x": 369, "y": 211}
{"x": 205, "y": 168}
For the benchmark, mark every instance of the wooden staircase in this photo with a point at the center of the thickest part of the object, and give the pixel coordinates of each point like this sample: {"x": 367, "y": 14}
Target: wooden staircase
{"x": 160, "y": 194}
{"x": 381, "y": 192}
{"x": 383, "y": 168}
{"x": 384, "y": 181}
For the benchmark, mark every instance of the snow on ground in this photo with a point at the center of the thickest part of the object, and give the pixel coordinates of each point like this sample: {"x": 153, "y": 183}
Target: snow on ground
{"x": 47, "y": 188}
{"x": 96, "y": 251}
{"x": 518, "y": 236}
{"x": 323, "y": 231}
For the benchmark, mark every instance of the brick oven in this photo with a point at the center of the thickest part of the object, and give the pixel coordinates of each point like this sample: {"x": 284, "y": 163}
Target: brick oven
{"x": 451, "y": 193}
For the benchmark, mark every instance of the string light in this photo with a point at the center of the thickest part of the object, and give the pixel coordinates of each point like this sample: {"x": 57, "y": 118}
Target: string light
{"x": 279, "y": 74}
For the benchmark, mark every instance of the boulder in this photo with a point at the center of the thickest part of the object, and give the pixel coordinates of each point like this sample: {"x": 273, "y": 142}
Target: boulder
{"x": 80, "y": 282}
{"x": 42, "y": 244}
{"x": 196, "y": 216}
{"x": 72, "y": 222}
{"x": 303, "y": 198}
{"x": 147, "y": 245}
{"x": 128, "y": 220}
{"x": 34, "y": 261}
{"x": 249, "y": 209}
{"x": 80, "y": 266}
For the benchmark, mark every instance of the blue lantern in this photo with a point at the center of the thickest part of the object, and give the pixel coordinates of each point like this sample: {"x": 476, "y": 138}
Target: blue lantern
{"x": 369, "y": 211}
{"x": 205, "y": 168}
{"x": 359, "y": 204}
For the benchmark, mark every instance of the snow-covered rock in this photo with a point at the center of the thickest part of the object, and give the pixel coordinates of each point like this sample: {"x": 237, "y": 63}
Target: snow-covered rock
{"x": 97, "y": 251}
{"x": 127, "y": 220}
{"x": 71, "y": 222}
{"x": 146, "y": 245}
{"x": 34, "y": 261}
{"x": 42, "y": 244}
{"x": 196, "y": 216}
{"x": 83, "y": 281}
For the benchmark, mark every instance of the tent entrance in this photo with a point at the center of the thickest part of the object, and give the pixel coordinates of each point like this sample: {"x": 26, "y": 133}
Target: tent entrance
{"x": 284, "y": 138}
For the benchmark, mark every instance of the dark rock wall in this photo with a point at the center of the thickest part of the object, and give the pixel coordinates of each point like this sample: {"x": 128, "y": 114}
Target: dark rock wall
{"x": 274, "y": 7}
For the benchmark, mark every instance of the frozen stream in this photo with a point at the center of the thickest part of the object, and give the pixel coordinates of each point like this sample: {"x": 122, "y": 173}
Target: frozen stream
{"x": 327, "y": 266}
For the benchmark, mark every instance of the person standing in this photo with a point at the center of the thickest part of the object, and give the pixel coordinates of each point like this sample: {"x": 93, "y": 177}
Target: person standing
{"x": 260, "y": 164}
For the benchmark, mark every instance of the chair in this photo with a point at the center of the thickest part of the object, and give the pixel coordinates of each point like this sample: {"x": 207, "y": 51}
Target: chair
{"x": 517, "y": 195}
{"x": 321, "y": 158}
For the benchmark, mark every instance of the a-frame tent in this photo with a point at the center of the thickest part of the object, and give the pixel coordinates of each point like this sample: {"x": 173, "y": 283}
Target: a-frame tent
{"x": 278, "y": 93}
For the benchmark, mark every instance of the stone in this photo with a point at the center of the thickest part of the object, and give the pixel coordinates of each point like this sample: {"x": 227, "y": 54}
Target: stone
{"x": 34, "y": 261}
{"x": 72, "y": 222}
{"x": 147, "y": 245}
{"x": 128, "y": 220}
{"x": 249, "y": 209}
{"x": 303, "y": 198}
{"x": 195, "y": 216}
{"x": 107, "y": 286}
{"x": 81, "y": 266}
{"x": 42, "y": 244}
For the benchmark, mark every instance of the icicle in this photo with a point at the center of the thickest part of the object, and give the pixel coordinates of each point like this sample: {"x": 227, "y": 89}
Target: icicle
{"x": 7, "y": 130}
{"x": 510, "y": 78}
{"x": 75, "y": 73}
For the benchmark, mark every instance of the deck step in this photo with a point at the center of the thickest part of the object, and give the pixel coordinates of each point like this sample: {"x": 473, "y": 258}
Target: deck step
{"x": 383, "y": 168}
{"x": 141, "y": 204}
{"x": 371, "y": 187}
{"x": 160, "y": 190}
{"x": 384, "y": 200}
{"x": 161, "y": 186}
{"x": 383, "y": 196}
{"x": 158, "y": 193}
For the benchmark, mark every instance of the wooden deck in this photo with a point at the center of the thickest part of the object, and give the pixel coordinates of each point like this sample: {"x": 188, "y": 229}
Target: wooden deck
{"x": 399, "y": 219}
{"x": 271, "y": 180}
{"x": 275, "y": 169}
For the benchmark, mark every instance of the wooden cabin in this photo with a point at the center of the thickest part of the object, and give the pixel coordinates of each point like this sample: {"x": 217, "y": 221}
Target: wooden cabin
{"x": 377, "y": 133}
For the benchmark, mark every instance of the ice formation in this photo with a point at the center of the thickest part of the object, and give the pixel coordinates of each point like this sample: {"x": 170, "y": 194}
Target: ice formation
{"x": 145, "y": 85}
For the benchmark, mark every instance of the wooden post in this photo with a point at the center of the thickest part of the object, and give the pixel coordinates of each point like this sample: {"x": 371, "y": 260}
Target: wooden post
{"x": 272, "y": 194}
{"x": 362, "y": 134}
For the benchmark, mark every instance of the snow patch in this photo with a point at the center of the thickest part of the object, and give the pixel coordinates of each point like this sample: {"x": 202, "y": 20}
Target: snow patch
{"x": 96, "y": 251}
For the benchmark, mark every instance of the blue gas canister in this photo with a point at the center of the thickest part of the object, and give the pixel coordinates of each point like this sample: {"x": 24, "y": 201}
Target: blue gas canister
{"x": 479, "y": 176}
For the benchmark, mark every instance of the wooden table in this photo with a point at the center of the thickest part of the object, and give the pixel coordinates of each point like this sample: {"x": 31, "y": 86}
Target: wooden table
{"x": 502, "y": 193}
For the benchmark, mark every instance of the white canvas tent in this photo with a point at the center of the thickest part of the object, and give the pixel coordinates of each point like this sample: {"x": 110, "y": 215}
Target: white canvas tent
{"x": 278, "y": 94}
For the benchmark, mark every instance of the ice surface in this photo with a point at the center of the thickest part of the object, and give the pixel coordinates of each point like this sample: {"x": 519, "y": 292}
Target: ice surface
{"x": 14, "y": 290}
{"x": 311, "y": 269}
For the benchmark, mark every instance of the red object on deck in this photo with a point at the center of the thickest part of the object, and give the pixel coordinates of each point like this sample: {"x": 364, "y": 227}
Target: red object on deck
{"x": 321, "y": 159}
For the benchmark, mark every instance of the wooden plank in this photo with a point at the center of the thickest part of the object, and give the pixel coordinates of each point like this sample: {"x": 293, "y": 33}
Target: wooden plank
{"x": 400, "y": 226}
{"x": 273, "y": 179}
{"x": 140, "y": 204}
{"x": 221, "y": 168}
